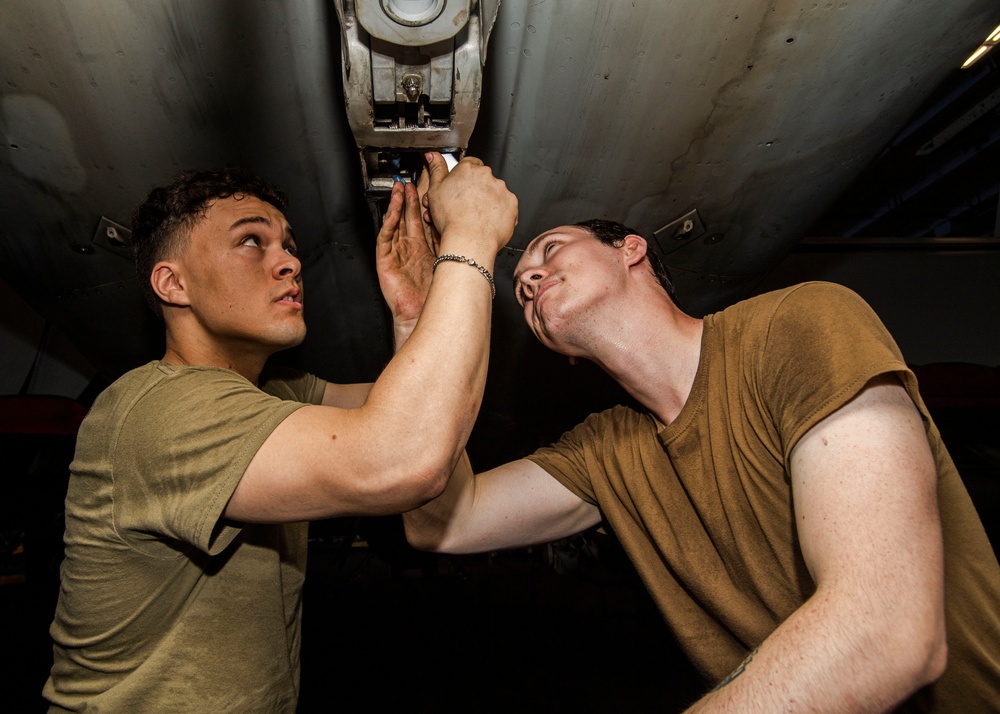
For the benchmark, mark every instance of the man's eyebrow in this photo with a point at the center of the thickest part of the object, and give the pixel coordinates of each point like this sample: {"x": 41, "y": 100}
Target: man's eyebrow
{"x": 532, "y": 246}
{"x": 249, "y": 219}
{"x": 259, "y": 219}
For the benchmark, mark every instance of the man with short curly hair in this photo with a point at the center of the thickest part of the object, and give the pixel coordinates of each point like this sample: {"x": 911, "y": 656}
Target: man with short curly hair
{"x": 195, "y": 474}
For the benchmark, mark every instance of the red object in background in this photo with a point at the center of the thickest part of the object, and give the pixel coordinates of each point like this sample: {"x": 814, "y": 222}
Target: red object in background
{"x": 35, "y": 414}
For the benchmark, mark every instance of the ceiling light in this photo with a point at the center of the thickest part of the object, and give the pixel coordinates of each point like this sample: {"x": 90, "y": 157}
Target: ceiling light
{"x": 991, "y": 40}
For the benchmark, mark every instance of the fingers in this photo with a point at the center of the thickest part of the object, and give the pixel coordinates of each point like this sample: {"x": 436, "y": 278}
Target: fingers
{"x": 424, "y": 183}
{"x": 411, "y": 212}
{"x": 390, "y": 222}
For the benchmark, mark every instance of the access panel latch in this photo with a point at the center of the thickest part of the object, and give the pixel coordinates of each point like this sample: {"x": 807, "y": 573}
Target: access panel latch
{"x": 413, "y": 72}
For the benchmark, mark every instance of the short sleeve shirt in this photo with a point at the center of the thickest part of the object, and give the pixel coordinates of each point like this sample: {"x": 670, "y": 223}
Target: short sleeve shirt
{"x": 704, "y": 505}
{"x": 165, "y": 605}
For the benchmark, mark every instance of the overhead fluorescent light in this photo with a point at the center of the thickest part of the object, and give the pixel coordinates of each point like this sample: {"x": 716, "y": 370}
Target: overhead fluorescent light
{"x": 991, "y": 41}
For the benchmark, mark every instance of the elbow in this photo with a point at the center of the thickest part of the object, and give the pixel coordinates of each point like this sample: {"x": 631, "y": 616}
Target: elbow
{"x": 933, "y": 658}
{"x": 935, "y": 662}
{"x": 431, "y": 484}
{"x": 387, "y": 489}
{"x": 418, "y": 539}
{"x": 425, "y": 474}
{"x": 430, "y": 473}
{"x": 424, "y": 531}
{"x": 418, "y": 484}
{"x": 922, "y": 662}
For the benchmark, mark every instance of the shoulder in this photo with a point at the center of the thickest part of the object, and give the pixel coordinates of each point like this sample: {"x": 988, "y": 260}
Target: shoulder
{"x": 819, "y": 345}
{"x": 195, "y": 384}
{"x": 178, "y": 401}
{"x": 793, "y": 319}
{"x": 818, "y": 300}
{"x": 617, "y": 419}
{"x": 603, "y": 443}
{"x": 808, "y": 300}
{"x": 823, "y": 315}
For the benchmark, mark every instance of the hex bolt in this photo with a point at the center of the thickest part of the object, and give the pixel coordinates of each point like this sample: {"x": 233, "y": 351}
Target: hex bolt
{"x": 411, "y": 86}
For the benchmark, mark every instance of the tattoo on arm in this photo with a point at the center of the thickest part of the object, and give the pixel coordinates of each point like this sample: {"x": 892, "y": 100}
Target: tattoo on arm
{"x": 736, "y": 672}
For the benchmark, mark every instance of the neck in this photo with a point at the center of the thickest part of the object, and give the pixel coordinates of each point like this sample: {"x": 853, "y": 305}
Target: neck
{"x": 245, "y": 360}
{"x": 653, "y": 352}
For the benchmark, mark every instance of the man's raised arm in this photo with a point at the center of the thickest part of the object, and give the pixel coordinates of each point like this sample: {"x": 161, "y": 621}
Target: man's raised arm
{"x": 396, "y": 451}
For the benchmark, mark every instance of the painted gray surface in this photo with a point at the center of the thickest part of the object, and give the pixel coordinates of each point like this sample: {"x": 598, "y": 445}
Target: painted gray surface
{"x": 755, "y": 113}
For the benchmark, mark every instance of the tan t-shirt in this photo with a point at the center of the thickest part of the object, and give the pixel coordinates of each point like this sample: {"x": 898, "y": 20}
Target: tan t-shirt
{"x": 704, "y": 506}
{"x": 164, "y": 606}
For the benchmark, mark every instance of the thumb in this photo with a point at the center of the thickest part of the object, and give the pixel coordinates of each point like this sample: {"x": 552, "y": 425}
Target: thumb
{"x": 436, "y": 166}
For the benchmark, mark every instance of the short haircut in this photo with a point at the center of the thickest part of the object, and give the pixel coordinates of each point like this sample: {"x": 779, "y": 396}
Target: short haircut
{"x": 169, "y": 212}
{"x": 613, "y": 234}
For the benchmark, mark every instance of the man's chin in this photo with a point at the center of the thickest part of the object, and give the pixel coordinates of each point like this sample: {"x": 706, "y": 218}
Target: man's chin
{"x": 288, "y": 341}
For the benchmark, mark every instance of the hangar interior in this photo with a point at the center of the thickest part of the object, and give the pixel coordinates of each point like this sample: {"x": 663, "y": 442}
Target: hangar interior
{"x": 801, "y": 141}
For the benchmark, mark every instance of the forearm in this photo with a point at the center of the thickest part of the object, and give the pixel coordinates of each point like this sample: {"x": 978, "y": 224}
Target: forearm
{"x": 513, "y": 505}
{"x": 420, "y": 412}
{"x": 836, "y": 654}
{"x": 423, "y": 406}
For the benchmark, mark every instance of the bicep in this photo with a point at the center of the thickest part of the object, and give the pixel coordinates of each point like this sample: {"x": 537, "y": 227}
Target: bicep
{"x": 864, "y": 487}
{"x": 323, "y": 462}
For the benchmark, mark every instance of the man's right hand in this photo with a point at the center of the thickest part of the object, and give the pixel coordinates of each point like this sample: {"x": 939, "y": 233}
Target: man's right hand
{"x": 473, "y": 211}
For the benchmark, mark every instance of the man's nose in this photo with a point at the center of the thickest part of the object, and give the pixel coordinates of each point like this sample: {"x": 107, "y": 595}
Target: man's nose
{"x": 529, "y": 280}
{"x": 287, "y": 264}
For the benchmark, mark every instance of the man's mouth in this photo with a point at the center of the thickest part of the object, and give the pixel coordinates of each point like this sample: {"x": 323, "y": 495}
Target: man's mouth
{"x": 543, "y": 288}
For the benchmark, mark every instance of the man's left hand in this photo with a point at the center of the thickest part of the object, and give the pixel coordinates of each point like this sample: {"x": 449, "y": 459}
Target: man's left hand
{"x": 404, "y": 256}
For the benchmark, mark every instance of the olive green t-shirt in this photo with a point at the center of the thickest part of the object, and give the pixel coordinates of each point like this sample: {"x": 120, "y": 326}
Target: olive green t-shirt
{"x": 165, "y": 606}
{"x": 704, "y": 505}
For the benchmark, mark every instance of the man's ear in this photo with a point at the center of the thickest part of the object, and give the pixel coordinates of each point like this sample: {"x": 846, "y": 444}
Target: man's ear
{"x": 635, "y": 249}
{"x": 169, "y": 283}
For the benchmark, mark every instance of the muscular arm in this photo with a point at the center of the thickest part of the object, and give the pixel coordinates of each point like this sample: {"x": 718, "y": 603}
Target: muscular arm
{"x": 396, "y": 450}
{"x": 865, "y": 503}
{"x": 511, "y": 506}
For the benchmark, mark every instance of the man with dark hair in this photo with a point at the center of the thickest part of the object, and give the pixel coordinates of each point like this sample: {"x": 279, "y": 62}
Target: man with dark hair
{"x": 614, "y": 234}
{"x": 783, "y": 493}
{"x": 159, "y": 221}
{"x": 195, "y": 474}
